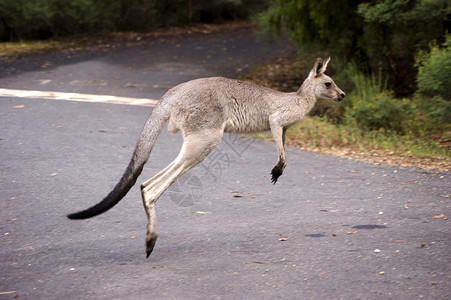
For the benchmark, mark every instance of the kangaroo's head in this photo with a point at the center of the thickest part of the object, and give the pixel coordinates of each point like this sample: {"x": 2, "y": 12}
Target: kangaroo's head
{"x": 323, "y": 86}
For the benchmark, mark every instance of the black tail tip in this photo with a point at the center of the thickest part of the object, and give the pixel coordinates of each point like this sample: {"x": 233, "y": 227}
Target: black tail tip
{"x": 75, "y": 216}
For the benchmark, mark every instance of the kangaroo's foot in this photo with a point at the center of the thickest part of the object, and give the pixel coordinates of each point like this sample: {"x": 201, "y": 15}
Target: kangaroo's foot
{"x": 277, "y": 172}
{"x": 151, "y": 239}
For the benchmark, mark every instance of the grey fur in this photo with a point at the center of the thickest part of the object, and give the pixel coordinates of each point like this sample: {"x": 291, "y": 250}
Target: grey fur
{"x": 203, "y": 109}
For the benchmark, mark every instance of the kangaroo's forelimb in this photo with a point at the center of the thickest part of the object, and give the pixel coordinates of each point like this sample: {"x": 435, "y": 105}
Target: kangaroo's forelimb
{"x": 279, "y": 137}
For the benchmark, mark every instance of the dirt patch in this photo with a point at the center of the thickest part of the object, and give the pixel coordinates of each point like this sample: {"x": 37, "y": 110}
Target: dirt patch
{"x": 385, "y": 157}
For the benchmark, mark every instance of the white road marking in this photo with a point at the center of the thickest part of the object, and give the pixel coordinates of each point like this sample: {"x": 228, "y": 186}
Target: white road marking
{"x": 77, "y": 97}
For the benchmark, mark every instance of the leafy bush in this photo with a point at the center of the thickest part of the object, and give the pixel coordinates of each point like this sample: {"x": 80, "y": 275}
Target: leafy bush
{"x": 383, "y": 112}
{"x": 434, "y": 69}
{"x": 327, "y": 23}
{"x": 370, "y": 106}
{"x": 69, "y": 17}
{"x": 433, "y": 116}
{"x": 25, "y": 19}
{"x": 380, "y": 34}
{"x": 45, "y": 18}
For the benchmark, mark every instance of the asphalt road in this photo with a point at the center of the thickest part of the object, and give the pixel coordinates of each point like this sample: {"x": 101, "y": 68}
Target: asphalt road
{"x": 330, "y": 228}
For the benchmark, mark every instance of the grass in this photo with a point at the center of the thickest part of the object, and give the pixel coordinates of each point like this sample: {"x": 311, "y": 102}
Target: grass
{"x": 27, "y": 47}
{"x": 315, "y": 132}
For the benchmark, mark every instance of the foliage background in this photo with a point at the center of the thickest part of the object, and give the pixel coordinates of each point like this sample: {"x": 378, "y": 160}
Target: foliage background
{"x": 381, "y": 34}
{"x": 42, "y": 19}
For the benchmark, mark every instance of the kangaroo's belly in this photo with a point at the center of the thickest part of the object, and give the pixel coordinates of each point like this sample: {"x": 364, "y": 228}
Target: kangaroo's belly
{"x": 243, "y": 124}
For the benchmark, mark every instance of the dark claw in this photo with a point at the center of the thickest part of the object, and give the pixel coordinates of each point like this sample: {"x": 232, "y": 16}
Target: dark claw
{"x": 148, "y": 251}
{"x": 275, "y": 174}
{"x": 149, "y": 246}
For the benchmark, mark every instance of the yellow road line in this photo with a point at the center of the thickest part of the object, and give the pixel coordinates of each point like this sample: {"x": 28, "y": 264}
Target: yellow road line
{"x": 77, "y": 97}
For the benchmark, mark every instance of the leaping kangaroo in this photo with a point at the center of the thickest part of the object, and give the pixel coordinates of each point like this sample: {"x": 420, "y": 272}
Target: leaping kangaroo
{"x": 203, "y": 109}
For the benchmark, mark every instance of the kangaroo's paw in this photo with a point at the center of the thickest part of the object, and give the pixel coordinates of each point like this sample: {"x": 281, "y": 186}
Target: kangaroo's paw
{"x": 150, "y": 243}
{"x": 275, "y": 173}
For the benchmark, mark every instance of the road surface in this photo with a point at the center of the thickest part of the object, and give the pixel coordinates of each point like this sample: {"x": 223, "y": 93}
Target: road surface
{"x": 331, "y": 228}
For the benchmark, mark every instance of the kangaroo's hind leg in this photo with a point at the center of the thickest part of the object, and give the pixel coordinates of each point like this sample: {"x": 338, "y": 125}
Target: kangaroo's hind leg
{"x": 196, "y": 147}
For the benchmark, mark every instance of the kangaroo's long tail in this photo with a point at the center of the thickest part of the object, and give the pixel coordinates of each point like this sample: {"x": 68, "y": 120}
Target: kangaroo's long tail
{"x": 144, "y": 146}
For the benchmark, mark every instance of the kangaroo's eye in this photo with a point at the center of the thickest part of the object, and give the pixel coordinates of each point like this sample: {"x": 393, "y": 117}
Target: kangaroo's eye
{"x": 328, "y": 84}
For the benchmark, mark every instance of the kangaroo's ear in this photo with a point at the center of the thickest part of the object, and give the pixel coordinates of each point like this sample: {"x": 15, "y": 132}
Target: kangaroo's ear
{"x": 319, "y": 67}
{"x": 316, "y": 70}
{"x": 324, "y": 66}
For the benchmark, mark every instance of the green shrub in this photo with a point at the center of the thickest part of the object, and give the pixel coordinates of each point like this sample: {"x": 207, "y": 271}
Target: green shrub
{"x": 433, "y": 114}
{"x": 366, "y": 87}
{"x": 380, "y": 34}
{"x": 383, "y": 112}
{"x": 434, "y": 69}
{"x": 46, "y": 18}
{"x": 69, "y": 17}
{"x": 438, "y": 110}
{"x": 40, "y": 19}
